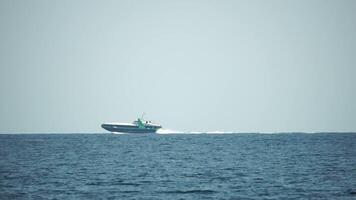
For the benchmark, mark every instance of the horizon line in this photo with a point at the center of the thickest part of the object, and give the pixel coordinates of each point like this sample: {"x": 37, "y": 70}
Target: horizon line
{"x": 187, "y": 132}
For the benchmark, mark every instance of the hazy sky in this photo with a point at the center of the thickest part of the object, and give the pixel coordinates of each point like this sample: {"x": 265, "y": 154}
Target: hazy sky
{"x": 68, "y": 66}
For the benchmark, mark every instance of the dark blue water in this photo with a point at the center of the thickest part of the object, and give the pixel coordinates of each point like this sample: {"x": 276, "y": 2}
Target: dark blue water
{"x": 226, "y": 166}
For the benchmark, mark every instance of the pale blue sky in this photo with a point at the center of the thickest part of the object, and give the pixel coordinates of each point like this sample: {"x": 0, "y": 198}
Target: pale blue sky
{"x": 244, "y": 66}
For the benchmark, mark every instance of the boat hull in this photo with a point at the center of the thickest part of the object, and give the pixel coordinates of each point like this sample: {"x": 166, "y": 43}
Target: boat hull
{"x": 128, "y": 129}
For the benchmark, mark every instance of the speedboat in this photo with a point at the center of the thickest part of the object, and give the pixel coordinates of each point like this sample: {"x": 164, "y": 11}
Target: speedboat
{"x": 138, "y": 126}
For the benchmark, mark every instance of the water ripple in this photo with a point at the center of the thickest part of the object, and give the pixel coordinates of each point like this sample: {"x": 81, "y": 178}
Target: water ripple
{"x": 200, "y": 166}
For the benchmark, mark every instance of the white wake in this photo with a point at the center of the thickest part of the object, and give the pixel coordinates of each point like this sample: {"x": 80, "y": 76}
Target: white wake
{"x": 168, "y": 131}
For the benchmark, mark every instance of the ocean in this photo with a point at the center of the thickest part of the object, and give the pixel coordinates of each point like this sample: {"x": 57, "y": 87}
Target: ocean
{"x": 178, "y": 166}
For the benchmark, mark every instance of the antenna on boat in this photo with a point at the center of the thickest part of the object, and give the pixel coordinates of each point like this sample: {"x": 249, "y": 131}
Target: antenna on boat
{"x": 143, "y": 114}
